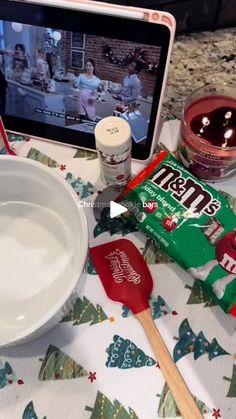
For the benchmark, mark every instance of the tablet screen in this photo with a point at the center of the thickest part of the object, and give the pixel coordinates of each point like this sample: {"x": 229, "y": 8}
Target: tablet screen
{"x": 58, "y": 81}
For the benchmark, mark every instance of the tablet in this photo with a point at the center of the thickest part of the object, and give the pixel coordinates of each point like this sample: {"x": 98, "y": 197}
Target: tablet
{"x": 67, "y": 64}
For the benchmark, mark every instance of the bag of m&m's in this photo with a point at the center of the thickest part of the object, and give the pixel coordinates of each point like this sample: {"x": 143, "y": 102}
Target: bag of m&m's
{"x": 192, "y": 222}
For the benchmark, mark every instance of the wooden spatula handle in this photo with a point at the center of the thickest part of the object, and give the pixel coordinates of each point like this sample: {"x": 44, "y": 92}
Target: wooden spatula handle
{"x": 184, "y": 399}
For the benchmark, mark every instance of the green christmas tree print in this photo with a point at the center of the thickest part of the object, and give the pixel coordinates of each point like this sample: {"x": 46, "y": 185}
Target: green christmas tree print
{"x": 168, "y": 408}
{"x": 57, "y": 365}
{"x": 186, "y": 341}
{"x": 85, "y": 312}
{"x": 232, "y": 380}
{"x": 124, "y": 354}
{"x": 158, "y": 306}
{"x": 29, "y": 412}
{"x": 216, "y": 350}
{"x": 153, "y": 255}
{"x": 117, "y": 225}
{"x": 126, "y": 312}
{"x": 189, "y": 342}
{"x": 201, "y": 346}
{"x": 7, "y": 375}
{"x": 105, "y": 409}
{"x": 42, "y": 158}
{"x": 199, "y": 295}
{"x": 3, "y": 151}
{"x": 83, "y": 189}
{"x": 85, "y": 154}
{"x": 13, "y": 137}
{"x": 90, "y": 268}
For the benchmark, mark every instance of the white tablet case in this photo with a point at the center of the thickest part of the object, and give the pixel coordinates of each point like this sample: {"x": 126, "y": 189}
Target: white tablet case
{"x": 128, "y": 12}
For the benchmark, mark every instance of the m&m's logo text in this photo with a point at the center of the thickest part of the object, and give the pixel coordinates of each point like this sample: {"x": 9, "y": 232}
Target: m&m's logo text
{"x": 187, "y": 192}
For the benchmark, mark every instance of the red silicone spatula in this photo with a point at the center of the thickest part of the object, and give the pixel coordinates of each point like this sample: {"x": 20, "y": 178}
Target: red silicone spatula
{"x": 127, "y": 279}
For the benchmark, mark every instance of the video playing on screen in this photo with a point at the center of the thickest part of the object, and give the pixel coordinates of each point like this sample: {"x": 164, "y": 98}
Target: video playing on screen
{"x": 72, "y": 80}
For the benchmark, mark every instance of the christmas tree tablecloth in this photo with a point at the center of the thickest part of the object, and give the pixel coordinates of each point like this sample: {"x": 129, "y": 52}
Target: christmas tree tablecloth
{"x": 97, "y": 363}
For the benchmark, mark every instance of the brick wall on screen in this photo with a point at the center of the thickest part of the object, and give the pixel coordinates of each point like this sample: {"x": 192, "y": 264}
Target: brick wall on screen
{"x": 108, "y": 71}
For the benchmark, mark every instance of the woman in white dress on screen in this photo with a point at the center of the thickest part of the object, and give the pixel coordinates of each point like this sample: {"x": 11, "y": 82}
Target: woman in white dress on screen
{"x": 88, "y": 84}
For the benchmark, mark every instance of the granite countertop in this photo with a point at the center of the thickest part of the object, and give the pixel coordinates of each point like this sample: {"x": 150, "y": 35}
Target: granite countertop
{"x": 198, "y": 59}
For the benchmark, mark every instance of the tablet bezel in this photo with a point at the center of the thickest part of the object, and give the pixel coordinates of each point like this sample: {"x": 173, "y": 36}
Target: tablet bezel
{"x": 108, "y": 26}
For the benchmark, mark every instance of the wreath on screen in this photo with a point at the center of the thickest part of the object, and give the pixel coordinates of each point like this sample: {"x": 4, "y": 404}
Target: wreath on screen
{"x": 138, "y": 54}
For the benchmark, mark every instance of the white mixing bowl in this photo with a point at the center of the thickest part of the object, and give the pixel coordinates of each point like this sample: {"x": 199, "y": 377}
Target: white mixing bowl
{"x": 43, "y": 248}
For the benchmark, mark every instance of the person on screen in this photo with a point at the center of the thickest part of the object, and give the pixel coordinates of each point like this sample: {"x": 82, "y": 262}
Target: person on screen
{"x": 3, "y": 93}
{"x": 42, "y": 67}
{"x": 19, "y": 60}
{"x": 88, "y": 84}
{"x": 131, "y": 86}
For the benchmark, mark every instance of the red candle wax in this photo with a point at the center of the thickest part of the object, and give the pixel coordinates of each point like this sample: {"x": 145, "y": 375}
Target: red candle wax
{"x": 213, "y": 119}
{"x": 208, "y": 134}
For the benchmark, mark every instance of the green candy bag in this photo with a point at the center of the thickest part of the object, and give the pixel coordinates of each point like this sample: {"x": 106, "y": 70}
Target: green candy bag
{"x": 190, "y": 221}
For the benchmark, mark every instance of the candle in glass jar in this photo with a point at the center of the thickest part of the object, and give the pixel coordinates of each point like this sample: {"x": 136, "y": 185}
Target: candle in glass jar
{"x": 208, "y": 133}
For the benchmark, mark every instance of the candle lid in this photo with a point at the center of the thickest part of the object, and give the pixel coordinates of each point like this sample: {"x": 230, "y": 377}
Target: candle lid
{"x": 112, "y": 135}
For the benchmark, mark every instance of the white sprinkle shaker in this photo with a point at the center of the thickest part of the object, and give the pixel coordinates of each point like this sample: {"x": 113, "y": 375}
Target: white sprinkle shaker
{"x": 113, "y": 144}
